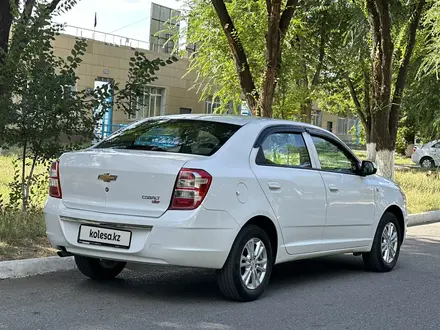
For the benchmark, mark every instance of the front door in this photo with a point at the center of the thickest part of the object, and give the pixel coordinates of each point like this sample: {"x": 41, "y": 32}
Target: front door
{"x": 296, "y": 193}
{"x": 350, "y": 197}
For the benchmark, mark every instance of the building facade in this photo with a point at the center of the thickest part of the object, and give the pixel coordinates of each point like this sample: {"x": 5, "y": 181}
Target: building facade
{"x": 107, "y": 60}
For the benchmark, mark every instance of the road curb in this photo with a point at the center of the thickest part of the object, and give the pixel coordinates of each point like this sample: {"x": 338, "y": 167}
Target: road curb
{"x": 37, "y": 266}
{"x": 423, "y": 218}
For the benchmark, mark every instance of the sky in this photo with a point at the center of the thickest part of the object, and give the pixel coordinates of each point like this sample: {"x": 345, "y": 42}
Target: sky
{"x": 128, "y": 18}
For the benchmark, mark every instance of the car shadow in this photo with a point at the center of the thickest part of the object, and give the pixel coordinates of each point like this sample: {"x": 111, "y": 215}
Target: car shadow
{"x": 188, "y": 285}
{"x": 181, "y": 285}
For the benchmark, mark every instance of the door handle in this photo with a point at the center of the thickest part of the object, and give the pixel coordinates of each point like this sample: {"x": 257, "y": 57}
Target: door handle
{"x": 333, "y": 188}
{"x": 274, "y": 185}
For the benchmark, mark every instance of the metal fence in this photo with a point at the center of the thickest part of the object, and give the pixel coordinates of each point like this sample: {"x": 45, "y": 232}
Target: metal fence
{"x": 121, "y": 41}
{"x": 103, "y": 131}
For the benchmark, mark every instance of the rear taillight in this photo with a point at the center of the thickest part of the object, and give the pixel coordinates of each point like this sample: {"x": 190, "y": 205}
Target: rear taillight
{"x": 54, "y": 180}
{"x": 191, "y": 188}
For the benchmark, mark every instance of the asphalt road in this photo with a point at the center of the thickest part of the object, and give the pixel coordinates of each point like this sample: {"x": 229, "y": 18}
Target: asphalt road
{"x": 326, "y": 293}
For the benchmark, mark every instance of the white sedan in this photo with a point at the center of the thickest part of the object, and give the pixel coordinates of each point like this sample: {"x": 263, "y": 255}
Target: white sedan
{"x": 428, "y": 155}
{"x": 232, "y": 193}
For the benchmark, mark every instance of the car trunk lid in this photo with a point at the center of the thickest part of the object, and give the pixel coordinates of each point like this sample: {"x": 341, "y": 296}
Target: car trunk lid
{"x": 128, "y": 182}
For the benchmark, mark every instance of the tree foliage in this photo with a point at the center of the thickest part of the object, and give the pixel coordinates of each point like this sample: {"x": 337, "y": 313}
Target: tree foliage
{"x": 22, "y": 12}
{"x": 314, "y": 28}
{"x": 431, "y": 25}
{"x": 239, "y": 48}
{"x": 43, "y": 104}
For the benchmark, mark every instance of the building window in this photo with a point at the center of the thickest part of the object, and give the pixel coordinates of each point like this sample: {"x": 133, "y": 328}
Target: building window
{"x": 317, "y": 118}
{"x": 230, "y": 109}
{"x": 330, "y": 126}
{"x": 211, "y": 105}
{"x": 191, "y": 49}
{"x": 343, "y": 126}
{"x": 160, "y": 21}
{"x": 150, "y": 104}
{"x": 352, "y": 122}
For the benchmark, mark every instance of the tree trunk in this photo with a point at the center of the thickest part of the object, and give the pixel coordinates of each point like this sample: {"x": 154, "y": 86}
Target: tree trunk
{"x": 385, "y": 113}
{"x": 404, "y": 67}
{"x": 381, "y": 68}
{"x": 278, "y": 23}
{"x": 364, "y": 114}
{"x": 371, "y": 143}
{"x": 273, "y": 52}
{"x": 306, "y": 112}
{"x": 240, "y": 59}
{"x": 5, "y": 27}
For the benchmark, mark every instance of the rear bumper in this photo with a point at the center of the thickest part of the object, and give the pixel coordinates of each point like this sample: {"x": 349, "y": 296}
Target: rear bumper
{"x": 415, "y": 158}
{"x": 200, "y": 238}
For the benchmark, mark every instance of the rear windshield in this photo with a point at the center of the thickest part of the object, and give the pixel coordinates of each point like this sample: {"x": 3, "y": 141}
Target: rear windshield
{"x": 195, "y": 137}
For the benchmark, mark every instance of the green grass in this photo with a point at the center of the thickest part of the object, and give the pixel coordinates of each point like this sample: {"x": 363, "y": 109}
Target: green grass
{"x": 398, "y": 159}
{"x": 14, "y": 225}
{"x": 6, "y": 174}
{"x": 422, "y": 189}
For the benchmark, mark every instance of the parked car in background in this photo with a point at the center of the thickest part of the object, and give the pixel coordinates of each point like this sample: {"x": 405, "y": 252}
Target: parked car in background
{"x": 427, "y": 155}
{"x": 237, "y": 194}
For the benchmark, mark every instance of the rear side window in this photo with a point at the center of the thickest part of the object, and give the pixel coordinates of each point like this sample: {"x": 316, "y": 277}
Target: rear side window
{"x": 195, "y": 137}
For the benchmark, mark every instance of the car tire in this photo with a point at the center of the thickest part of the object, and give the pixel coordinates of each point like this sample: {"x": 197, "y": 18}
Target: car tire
{"x": 388, "y": 237}
{"x": 242, "y": 265}
{"x": 98, "y": 269}
{"x": 427, "y": 162}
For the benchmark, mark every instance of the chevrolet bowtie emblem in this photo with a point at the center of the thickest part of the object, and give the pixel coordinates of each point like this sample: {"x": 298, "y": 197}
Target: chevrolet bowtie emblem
{"x": 107, "y": 177}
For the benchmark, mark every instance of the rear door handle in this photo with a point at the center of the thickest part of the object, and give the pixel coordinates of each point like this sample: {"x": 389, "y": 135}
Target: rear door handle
{"x": 274, "y": 185}
{"x": 333, "y": 188}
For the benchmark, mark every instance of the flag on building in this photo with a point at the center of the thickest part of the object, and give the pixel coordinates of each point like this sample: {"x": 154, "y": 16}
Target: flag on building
{"x": 96, "y": 20}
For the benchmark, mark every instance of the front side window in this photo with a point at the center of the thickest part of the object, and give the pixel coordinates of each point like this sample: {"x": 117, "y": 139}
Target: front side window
{"x": 284, "y": 149}
{"x": 332, "y": 157}
{"x": 172, "y": 135}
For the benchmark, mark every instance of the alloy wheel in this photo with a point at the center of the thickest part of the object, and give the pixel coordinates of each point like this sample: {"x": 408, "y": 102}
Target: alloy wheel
{"x": 253, "y": 263}
{"x": 426, "y": 163}
{"x": 389, "y": 243}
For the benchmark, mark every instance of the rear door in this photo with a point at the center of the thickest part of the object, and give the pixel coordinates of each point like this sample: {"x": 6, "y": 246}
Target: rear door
{"x": 435, "y": 151}
{"x": 283, "y": 167}
{"x": 350, "y": 197}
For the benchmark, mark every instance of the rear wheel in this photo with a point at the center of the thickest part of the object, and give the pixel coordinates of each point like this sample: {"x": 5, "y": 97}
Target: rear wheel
{"x": 427, "y": 162}
{"x": 99, "y": 269}
{"x": 386, "y": 246}
{"x": 247, "y": 270}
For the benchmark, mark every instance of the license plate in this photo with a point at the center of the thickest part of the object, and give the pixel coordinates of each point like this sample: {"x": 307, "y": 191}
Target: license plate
{"x": 104, "y": 236}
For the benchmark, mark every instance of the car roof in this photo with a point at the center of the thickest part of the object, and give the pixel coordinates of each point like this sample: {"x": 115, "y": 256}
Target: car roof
{"x": 243, "y": 120}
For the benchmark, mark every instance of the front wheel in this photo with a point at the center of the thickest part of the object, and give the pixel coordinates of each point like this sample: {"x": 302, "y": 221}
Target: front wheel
{"x": 247, "y": 270}
{"x": 386, "y": 245}
{"x": 99, "y": 269}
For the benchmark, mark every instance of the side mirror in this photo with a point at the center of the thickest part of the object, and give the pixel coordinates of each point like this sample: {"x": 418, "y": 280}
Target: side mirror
{"x": 367, "y": 168}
